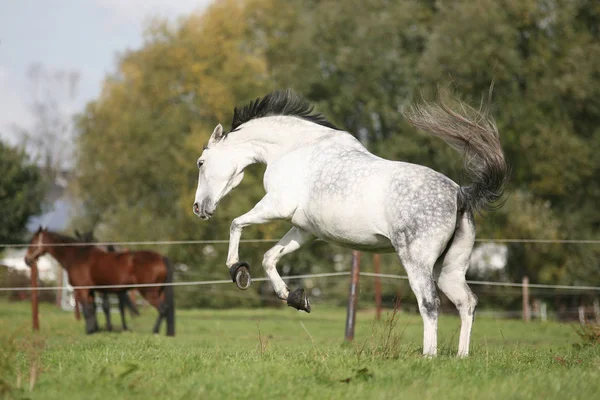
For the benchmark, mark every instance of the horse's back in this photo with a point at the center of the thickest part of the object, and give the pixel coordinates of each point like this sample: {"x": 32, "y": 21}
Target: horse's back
{"x": 344, "y": 194}
{"x": 149, "y": 266}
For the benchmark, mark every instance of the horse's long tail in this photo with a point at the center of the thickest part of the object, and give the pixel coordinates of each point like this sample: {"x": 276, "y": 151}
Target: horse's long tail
{"x": 169, "y": 299}
{"x": 130, "y": 305}
{"x": 474, "y": 133}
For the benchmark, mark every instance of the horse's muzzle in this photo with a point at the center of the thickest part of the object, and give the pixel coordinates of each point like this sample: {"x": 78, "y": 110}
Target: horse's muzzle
{"x": 201, "y": 210}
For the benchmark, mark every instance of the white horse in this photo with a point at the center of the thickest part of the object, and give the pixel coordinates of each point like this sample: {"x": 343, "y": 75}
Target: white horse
{"x": 326, "y": 183}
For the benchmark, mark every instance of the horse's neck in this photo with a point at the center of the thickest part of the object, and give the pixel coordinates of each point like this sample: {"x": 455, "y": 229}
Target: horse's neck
{"x": 67, "y": 256}
{"x": 267, "y": 139}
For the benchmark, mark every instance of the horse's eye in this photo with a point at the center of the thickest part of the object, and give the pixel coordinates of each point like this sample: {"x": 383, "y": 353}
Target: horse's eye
{"x": 200, "y": 162}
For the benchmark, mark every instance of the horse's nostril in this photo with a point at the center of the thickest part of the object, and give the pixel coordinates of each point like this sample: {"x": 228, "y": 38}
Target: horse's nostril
{"x": 196, "y": 209}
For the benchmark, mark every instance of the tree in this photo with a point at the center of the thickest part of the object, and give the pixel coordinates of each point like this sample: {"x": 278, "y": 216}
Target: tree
{"x": 136, "y": 171}
{"x": 50, "y": 138}
{"x": 21, "y": 193}
{"x": 360, "y": 62}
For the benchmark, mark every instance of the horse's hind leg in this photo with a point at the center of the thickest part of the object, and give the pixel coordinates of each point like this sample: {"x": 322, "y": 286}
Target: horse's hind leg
{"x": 153, "y": 296}
{"x": 106, "y": 309}
{"x": 122, "y": 301}
{"x": 292, "y": 241}
{"x": 418, "y": 259}
{"x": 452, "y": 280}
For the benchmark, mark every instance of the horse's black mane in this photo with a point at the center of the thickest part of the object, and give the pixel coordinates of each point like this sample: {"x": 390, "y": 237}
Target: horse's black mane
{"x": 62, "y": 238}
{"x": 279, "y": 102}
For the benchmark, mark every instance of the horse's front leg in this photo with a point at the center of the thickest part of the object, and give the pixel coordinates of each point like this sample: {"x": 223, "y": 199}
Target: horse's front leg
{"x": 292, "y": 241}
{"x": 264, "y": 211}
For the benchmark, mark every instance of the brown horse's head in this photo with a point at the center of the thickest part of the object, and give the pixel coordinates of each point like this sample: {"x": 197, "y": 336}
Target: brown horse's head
{"x": 38, "y": 246}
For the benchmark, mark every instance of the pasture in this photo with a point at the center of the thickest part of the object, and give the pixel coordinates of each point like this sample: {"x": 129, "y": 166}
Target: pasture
{"x": 282, "y": 353}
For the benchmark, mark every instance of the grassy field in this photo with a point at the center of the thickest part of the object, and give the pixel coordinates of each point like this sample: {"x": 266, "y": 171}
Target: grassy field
{"x": 281, "y": 353}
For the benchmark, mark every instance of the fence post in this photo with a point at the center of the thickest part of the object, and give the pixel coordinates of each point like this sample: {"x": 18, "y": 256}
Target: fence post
{"x": 34, "y": 296}
{"x": 59, "y": 279}
{"x": 544, "y": 312}
{"x": 376, "y": 265}
{"x": 353, "y": 298}
{"x": 581, "y": 314}
{"x": 596, "y": 306}
{"x": 526, "y": 313}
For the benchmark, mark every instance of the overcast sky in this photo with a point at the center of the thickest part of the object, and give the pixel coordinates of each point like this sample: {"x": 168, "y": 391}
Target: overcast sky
{"x": 80, "y": 35}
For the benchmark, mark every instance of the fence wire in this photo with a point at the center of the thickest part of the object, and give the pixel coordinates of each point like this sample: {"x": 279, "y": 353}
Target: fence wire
{"x": 303, "y": 276}
{"x": 225, "y": 241}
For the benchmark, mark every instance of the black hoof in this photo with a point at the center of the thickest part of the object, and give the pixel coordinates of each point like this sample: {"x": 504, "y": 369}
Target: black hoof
{"x": 240, "y": 274}
{"x": 298, "y": 300}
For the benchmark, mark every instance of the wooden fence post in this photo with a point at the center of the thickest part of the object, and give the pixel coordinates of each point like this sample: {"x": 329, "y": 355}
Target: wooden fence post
{"x": 353, "y": 298}
{"x": 544, "y": 312}
{"x": 581, "y": 314}
{"x": 59, "y": 281}
{"x": 376, "y": 265}
{"x": 596, "y": 306}
{"x": 526, "y": 313}
{"x": 34, "y": 296}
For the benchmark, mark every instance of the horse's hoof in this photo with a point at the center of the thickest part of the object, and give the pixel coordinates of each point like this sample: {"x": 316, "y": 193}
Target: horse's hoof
{"x": 240, "y": 274}
{"x": 299, "y": 300}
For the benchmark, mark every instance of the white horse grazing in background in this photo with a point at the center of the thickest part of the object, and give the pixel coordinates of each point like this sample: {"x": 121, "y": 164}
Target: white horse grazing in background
{"x": 326, "y": 183}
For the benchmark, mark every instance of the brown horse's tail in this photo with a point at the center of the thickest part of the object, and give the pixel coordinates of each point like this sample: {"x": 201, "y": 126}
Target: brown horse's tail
{"x": 169, "y": 299}
{"x": 130, "y": 305}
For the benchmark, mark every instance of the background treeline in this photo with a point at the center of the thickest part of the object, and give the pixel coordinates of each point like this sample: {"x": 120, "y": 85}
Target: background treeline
{"x": 360, "y": 62}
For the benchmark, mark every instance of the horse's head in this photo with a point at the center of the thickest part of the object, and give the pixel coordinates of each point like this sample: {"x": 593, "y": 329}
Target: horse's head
{"x": 221, "y": 169}
{"x": 38, "y": 246}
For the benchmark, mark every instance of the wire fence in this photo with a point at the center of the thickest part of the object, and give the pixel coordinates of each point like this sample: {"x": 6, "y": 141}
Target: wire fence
{"x": 225, "y": 241}
{"x": 303, "y": 276}
{"x": 510, "y": 289}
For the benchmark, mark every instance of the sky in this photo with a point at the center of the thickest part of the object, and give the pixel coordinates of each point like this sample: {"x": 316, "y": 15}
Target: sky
{"x": 84, "y": 36}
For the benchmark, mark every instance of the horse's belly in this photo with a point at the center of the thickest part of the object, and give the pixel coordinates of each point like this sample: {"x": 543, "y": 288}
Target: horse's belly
{"x": 347, "y": 231}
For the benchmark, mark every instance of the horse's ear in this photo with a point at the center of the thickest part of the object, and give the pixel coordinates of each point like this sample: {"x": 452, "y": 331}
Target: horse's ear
{"x": 217, "y": 134}
{"x": 39, "y": 229}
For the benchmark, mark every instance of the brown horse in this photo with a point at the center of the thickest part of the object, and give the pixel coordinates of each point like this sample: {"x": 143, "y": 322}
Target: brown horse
{"x": 92, "y": 266}
{"x": 124, "y": 300}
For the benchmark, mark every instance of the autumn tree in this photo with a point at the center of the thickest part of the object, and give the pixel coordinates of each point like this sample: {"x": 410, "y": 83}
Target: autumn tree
{"x": 360, "y": 63}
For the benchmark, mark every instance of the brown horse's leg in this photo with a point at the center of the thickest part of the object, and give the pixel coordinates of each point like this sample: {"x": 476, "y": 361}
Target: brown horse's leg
{"x": 86, "y": 299}
{"x": 106, "y": 309}
{"x": 153, "y": 296}
{"x": 123, "y": 298}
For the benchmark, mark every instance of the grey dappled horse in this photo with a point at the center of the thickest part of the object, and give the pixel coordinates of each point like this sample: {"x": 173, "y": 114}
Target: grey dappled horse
{"x": 326, "y": 183}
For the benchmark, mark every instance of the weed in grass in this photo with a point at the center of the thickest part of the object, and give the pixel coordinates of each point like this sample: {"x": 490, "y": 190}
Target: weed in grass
{"x": 12, "y": 352}
{"x": 263, "y": 342}
{"x": 362, "y": 374}
{"x": 589, "y": 334}
{"x": 8, "y": 353}
{"x": 385, "y": 342}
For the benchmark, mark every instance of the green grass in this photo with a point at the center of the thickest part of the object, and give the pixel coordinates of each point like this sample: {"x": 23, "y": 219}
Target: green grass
{"x": 268, "y": 353}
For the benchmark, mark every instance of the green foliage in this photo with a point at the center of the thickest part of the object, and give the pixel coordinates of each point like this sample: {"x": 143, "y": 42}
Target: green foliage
{"x": 21, "y": 193}
{"x": 361, "y": 63}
